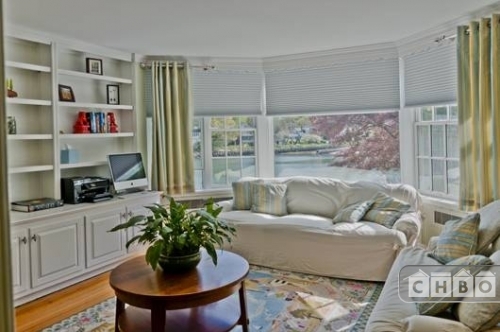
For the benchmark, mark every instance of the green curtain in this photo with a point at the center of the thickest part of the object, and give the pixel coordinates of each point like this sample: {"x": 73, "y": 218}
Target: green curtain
{"x": 172, "y": 169}
{"x": 479, "y": 112}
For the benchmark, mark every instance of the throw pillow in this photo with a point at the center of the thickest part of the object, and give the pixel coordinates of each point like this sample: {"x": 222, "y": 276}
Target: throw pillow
{"x": 242, "y": 194}
{"x": 438, "y": 304}
{"x": 418, "y": 323}
{"x": 269, "y": 198}
{"x": 353, "y": 212}
{"x": 489, "y": 227}
{"x": 481, "y": 316}
{"x": 385, "y": 210}
{"x": 458, "y": 238}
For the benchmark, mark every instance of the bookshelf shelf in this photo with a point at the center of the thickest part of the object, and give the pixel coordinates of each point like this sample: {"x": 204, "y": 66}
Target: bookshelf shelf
{"x": 22, "y": 137}
{"x": 27, "y": 66}
{"x": 105, "y": 135}
{"x": 84, "y": 164}
{"x": 30, "y": 169}
{"x": 94, "y": 105}
{"x": 79, "y": 74}
{"x": 27, "y": 101}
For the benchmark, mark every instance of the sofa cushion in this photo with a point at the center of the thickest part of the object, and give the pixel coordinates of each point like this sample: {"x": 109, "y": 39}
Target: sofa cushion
{"x": 242, "y": 193}
{"x": 458, "y": 238}
{"x": 489, "y": 227}
{"x": 269, "y": 198}
{"x": 315, "y": 195}
{"x": 353, "y": 212}
{"x": 481, "y": 316}
{"x": 385, "y": 210}
{"x": 417, "y": 323}
{"x": 439, "y": 304}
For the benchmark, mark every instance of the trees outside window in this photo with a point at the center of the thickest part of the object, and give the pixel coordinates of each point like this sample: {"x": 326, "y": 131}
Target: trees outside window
{"x": 345, "y": 146}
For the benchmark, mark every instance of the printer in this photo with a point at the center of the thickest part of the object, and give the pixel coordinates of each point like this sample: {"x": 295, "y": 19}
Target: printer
{"x": 81, "y": 189}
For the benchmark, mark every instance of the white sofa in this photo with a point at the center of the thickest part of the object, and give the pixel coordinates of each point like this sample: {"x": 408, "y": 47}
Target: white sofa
{"x": 306, "y": 240}
{"x": 392, "y": 314}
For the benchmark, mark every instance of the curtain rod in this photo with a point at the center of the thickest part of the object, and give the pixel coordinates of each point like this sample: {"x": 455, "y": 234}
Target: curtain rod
{"x": 145, "y": 65}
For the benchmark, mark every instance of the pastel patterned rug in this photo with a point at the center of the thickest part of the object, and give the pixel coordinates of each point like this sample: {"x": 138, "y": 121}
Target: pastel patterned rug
{"x": 277, "y": 301}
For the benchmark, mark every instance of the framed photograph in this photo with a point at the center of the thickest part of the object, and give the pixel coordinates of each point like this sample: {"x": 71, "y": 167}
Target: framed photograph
{"x": 113, "y": 94}
{"x": 94, "y": 66}
{"x": 66, "y": 93}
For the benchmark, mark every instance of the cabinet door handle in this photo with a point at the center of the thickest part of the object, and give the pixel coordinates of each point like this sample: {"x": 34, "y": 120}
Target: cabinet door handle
{"x": 33, "y": 237}
{"x": 24, "y": 240}
{"x": 130, "y": 214}
{"x": 123, "y": 215}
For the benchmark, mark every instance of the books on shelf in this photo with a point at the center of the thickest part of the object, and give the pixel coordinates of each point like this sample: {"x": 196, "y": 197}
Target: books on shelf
{"x": 36, "y": 204}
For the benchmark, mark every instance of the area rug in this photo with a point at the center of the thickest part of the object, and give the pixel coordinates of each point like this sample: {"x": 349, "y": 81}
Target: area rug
{"x": 277, "y": 301}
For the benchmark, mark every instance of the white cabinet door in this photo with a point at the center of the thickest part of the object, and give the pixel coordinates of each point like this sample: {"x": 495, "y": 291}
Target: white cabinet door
{"x": 136, "y": 210}
{"x": 20, "y": 260}
{"x": 57, "y": 250}
{"x": 102, "y": 245}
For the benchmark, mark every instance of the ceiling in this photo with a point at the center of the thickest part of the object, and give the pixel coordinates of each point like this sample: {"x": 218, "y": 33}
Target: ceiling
{"x": 235, "y": 28}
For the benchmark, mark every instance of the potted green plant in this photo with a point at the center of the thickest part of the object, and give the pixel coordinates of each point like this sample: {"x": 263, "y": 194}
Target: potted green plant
{"x": 175, "y": 234}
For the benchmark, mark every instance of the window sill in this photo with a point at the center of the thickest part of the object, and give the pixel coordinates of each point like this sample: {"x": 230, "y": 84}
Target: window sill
{"x": 440, "y": 202}
{"x": 204, "y": 194}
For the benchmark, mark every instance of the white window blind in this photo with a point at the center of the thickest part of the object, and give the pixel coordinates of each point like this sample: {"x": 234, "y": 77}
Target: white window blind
{"x": 430, "y": 76}
{"x": 351, "y": 86}
{"x": 227, "y": 92}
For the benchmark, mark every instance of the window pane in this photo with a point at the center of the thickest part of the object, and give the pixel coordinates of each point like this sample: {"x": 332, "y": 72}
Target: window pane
{"x": 249, "y": 168}
{"x": 426, "y": 114}
{"x": 232, "y": 122}
{"x": 233, "y": 143}
{"x": 348, "y": 146}
{"x": 437, "y": 139}
{"x": 452, "y": 149}
{"x": 217, "y": 123}
{"x": 453, "y": 178}
{"x": 218, "y": 144}
{"x": 438, "y": 180}
{"x": 424, "y": 174}
{"x": 219, "y": 172}
{"x": 423, "y": 140}
{"x": 197, "y": 143}
{"x": 198, "y": 179}
{"x": 234, "y": 169}
{"x": 453, "y": 112}
{"x": 248, "y": 140}
{"x": 441, "y": 113}
{"x": 247, "y": 122}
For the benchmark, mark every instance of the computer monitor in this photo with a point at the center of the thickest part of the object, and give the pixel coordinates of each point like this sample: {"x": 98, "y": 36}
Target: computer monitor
{"x": 127, "y": 171}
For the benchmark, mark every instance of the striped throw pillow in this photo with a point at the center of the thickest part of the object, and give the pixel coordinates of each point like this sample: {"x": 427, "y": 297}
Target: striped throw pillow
{"x": 242, "y": 194}
{"x": 435, "y": 305}
{"x": 386, "y": 210}
{"x": 353, "y": 212}
{"x": 269, "y": 198}
{"x": 457, "y": 239}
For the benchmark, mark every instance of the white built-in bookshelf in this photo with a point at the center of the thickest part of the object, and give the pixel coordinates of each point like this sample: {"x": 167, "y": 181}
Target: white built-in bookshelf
{"x": 37, "y": 66}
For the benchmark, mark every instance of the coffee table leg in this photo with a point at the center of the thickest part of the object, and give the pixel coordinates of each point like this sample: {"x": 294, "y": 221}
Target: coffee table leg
{"x": 158, "y": 319}
{"x": 120, "y": 307}
{"x": 243, "y": 308}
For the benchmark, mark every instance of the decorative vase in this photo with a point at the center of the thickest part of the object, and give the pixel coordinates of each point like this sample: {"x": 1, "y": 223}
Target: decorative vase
{"x": 177, "y": 264}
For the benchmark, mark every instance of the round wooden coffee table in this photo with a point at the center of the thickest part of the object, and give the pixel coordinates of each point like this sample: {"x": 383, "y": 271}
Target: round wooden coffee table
{"x": 208, "y": 298}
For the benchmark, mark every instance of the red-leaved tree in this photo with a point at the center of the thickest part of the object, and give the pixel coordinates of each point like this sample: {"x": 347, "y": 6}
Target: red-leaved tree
{"x": 366, "y": 141}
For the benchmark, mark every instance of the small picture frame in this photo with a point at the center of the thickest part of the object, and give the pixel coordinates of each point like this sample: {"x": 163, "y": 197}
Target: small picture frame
{"x": 94, "y": 66}
{"x": 66, "y": 93}
{"x": 113, "y": 94}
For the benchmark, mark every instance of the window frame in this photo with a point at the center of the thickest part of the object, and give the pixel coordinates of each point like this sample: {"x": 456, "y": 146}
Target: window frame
{"x": 417, "y": 157}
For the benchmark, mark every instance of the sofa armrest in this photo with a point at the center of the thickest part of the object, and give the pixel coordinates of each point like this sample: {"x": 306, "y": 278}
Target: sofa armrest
{"x": 418, "y": 323}
{"x": 227, "y": 205}
{"x": 410, "y": 224}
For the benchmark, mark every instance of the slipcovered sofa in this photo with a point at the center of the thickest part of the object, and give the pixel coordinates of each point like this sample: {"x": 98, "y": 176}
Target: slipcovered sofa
{"x": 392, "y": 314}
{"x": 300, "y": 233}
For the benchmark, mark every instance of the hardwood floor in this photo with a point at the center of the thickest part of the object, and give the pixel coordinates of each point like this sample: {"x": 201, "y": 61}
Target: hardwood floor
{"x": 50, "y": 309}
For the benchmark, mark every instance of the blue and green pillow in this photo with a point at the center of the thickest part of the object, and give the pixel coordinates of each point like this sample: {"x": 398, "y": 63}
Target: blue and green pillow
{"x": 386, "y": 210}
{"x": 353, "y": 212}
